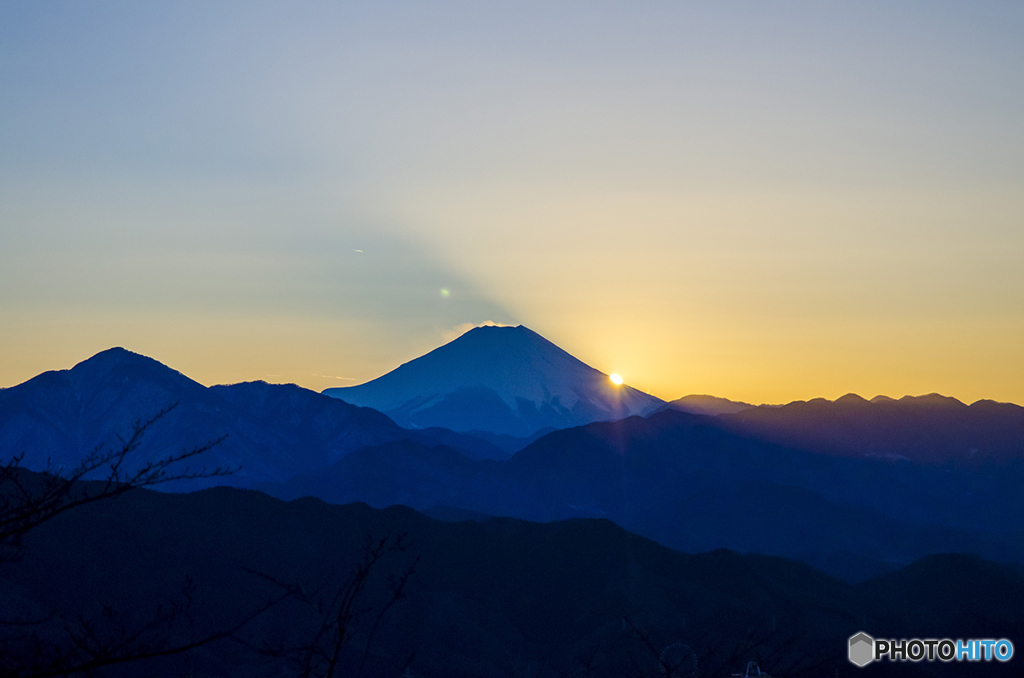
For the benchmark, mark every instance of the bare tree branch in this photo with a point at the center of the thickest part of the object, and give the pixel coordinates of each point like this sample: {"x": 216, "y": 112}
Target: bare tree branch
{"x": 29, "y": 500}
{"x": 51, "y": 646}
{"x": 336, "y": 611}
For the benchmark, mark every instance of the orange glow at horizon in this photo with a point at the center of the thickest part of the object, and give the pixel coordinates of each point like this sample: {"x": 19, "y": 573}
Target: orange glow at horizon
{"x": 746, "y": 213}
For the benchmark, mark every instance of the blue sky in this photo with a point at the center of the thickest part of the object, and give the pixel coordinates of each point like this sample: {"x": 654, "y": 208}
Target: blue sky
{"x": 765, "y": 201}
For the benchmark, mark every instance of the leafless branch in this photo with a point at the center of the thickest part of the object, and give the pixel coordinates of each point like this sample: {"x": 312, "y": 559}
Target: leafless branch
{"x": 29, "y": 500}
{"x": 52, "y": 646}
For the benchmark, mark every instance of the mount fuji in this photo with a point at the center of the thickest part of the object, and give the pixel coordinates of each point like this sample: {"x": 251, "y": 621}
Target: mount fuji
{"x": 505, "y": 380}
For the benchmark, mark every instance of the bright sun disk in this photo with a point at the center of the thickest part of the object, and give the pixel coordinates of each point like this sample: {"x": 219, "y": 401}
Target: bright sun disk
{"x": 616, "y": 379}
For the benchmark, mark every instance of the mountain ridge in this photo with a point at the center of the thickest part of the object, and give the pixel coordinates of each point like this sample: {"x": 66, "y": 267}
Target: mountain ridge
{"x": 273, "y": 430}
{"x": 649, "y": 474}
{"x": 932, "y": 428}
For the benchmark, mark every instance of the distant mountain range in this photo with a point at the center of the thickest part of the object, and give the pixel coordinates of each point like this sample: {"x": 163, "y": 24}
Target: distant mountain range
{"x": 506, "y": 380}
{"x": 851, "y": 486}
{"x": 706, "y": 404}
{"x": 931, "y": 429}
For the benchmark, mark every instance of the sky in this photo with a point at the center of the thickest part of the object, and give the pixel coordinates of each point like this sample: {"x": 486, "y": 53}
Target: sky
{"x": 760, "y": 201}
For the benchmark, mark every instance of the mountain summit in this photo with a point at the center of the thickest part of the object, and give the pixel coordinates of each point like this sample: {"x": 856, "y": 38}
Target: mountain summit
{"x": 506, "y": 380}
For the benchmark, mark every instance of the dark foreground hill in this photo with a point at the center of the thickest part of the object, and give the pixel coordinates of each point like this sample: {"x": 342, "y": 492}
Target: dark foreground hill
{"x": 499, "y": 597}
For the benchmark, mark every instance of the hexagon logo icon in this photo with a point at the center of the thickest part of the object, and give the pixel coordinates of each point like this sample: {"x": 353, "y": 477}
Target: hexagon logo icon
{"x": 862, "y": 649}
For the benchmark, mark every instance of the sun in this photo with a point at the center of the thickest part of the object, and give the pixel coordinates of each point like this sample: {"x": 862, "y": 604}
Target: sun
{"x": 616, "y": 379}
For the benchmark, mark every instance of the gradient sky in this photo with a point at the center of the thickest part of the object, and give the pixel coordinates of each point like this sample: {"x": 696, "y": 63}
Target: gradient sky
{"x": 762, "y": 201}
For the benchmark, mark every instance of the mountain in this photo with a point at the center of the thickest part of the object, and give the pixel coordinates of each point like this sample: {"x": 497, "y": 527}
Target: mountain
{"x": 62, "y": 416}
{"x": 931, "y": 429}
{"x": 507, "y": 380}
{"x": 706, "y": 404}
{"x": 486, "y": 598}
{"x": 272, "y": 431}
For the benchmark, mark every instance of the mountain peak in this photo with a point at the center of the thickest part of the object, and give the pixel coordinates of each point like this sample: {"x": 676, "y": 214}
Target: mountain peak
{"x": 116, "y": 355}
{"x": 708, "y": 404}
{"x": 505, "y": 334}
{"x": 121, "y": 358}
{"x": 932, "y": 400}
{"x": 118, "y": 367}
{"x": 503, "y": 337}
{"x": 496, "y": 330}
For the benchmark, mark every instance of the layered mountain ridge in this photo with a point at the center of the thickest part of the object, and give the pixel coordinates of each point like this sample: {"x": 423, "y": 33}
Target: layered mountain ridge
{"x": 817, "y": 480}
{"x": 269, "y": 431}
{"x": 930, "y": 429}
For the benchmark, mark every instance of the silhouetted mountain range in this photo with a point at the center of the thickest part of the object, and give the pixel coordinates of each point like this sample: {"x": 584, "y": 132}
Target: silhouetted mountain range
{"x": 506, "y": 380}
{"x": 931, "y": 429}
{"x": 273, "y": 431}
{"x": 485, "y": 598}
{"x": 781, "y": 481}
{"x": 706, "y": 404}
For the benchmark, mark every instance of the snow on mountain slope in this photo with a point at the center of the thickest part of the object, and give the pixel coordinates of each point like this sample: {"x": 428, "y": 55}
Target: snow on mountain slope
{"x": 501, "y": 379}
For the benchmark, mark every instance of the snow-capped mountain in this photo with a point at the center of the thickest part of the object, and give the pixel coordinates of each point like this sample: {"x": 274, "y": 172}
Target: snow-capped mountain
{"x": 506, "y": 380}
